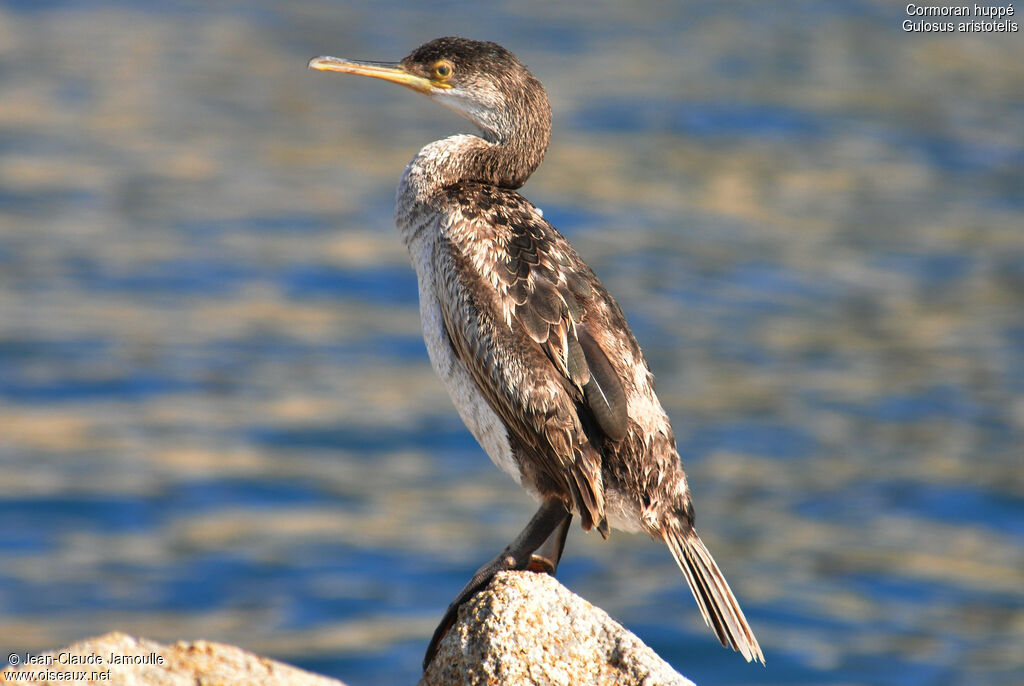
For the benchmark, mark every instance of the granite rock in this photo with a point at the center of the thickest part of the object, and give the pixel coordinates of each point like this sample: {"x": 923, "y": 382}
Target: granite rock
{"x": 121, "y": 660}
{"x": 527, "y": 628}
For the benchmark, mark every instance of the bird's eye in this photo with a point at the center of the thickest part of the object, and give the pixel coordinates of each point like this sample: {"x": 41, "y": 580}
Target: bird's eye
{"x": 443, "y": 70}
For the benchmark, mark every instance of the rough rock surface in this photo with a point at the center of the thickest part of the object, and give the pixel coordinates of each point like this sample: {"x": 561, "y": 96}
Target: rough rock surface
{"x": 199, "y": 663}
{"x": 527, "y": 628}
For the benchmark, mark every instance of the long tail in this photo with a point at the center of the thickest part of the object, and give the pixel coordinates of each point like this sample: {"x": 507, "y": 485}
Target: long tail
{"x": 714, "y": 598}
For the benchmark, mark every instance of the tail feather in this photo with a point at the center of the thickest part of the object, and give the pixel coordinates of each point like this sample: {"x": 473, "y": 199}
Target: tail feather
{"x": 717, "y": 604}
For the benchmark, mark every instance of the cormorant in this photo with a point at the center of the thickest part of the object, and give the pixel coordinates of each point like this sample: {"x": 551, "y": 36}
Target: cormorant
{"x": 533, "y": 350}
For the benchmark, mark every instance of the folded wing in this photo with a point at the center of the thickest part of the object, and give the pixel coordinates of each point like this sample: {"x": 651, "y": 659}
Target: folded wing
{"x": 517, "y": 305}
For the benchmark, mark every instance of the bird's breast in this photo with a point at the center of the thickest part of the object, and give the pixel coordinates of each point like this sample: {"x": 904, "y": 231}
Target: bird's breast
{"x": 485, "y": 425}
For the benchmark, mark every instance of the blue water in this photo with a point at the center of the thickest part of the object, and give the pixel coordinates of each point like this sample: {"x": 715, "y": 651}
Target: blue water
{"x": 216, "y": 407}
{"x": 383, "y": 287}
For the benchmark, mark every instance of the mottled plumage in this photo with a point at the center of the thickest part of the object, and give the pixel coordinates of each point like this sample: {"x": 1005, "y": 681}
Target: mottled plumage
{"x": 518, "y": 305}
{"x": 537, "y": 356}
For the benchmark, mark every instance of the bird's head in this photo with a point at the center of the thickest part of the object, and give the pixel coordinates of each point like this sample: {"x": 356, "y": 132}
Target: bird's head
{"x": 482, "y": 81}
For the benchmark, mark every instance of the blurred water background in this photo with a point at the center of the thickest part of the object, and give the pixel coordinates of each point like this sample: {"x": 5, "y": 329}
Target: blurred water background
{"x": 217, "y": 417}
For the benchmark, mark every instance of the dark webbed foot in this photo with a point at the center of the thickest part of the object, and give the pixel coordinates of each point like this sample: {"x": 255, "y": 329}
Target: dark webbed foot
{"x": 545, "y": 534}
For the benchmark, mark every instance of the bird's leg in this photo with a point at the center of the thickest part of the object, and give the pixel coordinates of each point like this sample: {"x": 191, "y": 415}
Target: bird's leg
{"x": 543, "y": 526}
{"x": 549, "y": 554}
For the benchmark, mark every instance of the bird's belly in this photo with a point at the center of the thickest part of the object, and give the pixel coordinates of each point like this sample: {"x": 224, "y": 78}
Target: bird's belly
{"x": 480, "y": 419}
{"x": 622, "y": 511}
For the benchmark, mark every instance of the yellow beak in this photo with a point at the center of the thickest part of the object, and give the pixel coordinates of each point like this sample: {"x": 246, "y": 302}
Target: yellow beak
{"x": 378, "y": 70}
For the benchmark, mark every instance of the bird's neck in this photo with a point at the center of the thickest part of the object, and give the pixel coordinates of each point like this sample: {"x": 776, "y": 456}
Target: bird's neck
{"x": 511, "y": 146}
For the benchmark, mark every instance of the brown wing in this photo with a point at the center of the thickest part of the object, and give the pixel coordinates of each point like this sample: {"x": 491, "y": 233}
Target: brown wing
{"x": 547, "y": 291}
{"x": 514, "y": 297}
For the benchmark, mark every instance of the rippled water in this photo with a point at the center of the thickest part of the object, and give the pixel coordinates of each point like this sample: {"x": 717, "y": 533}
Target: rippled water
{"x": 218, "y": 419}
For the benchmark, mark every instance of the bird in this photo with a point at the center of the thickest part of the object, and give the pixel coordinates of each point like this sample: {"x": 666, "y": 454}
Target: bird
{"x": 536, "y": 355}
